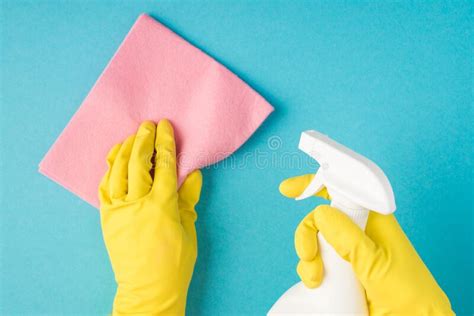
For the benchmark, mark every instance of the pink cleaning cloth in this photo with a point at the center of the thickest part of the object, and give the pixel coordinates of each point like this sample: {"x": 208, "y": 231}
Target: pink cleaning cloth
{"x": 155, "y": 74}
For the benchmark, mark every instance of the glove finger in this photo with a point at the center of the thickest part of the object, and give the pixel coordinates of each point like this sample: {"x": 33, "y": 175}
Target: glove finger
{"x": 119, "y": 173}
{"x": 311, "y": 272}
{"x": 104, "y": 183}
{"x": 139, "y": 177}
{"x": 367, "y": 259}
{"x": 293, "y": 187}
{"x": 166, "y": 180}
{"x": 189, "y": 194}
{"x": 306, "y": 243}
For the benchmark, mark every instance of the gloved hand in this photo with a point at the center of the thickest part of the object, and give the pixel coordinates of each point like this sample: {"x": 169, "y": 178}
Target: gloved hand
{"x": 395, "y": 279}
{"x": 148, "y": 225}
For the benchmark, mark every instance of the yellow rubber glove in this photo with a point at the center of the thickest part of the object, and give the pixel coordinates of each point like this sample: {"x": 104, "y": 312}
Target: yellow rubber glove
{"x": 395, "y": 279}
{"x": 148, "y": 226}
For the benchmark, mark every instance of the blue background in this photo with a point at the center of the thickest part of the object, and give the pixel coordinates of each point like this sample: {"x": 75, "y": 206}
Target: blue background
{"x": 391, "y": 80}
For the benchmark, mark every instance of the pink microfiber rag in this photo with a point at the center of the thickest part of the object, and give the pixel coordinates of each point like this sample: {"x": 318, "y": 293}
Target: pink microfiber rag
{"x": 155, "y": 74}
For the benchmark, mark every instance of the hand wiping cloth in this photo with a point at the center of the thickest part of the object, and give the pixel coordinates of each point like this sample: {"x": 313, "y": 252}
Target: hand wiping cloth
{"x": 155, "y": 74}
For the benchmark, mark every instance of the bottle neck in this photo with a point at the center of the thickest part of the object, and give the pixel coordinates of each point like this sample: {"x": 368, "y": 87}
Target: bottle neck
{"x": 356, "y": 213}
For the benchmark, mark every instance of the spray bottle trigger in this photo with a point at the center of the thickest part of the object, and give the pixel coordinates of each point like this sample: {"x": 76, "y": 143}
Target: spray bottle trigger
{"x": 313, "y": 187}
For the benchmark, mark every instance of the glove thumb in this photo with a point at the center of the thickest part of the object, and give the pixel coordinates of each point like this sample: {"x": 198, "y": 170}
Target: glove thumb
{"x": 350, "y": 242}
{"x": 189, "y": 194}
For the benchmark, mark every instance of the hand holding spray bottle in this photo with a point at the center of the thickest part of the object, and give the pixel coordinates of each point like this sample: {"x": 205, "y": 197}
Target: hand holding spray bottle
{"x": 356, "y": 185}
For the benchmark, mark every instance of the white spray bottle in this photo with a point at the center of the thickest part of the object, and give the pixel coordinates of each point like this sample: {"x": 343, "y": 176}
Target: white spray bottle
{"x": 356, "y": 185}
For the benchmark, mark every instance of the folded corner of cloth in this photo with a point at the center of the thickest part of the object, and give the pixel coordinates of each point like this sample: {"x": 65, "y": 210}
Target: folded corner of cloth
{"x": 155, "y": 74}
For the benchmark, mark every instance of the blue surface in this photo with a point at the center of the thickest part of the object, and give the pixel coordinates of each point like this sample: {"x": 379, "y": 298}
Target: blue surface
{"x": 391, "y": 80}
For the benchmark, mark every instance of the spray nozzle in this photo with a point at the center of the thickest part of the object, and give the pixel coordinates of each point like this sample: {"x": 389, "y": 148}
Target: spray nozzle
{"x": 347, "y": 175}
